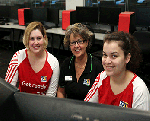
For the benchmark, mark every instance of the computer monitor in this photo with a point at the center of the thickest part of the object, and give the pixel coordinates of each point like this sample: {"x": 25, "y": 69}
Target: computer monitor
{"x": 4, "y": 13}
{"x": 53, "y": 16}
{"x": 107, "y": 3}
{"x": 142, "y": 15}
{"x": 7, "y": 104}
{"x": 39, "y": 14}
{"x": 14, "y": 12}
{"x": 87, "y": 14}
{"x": 42, "y": 108}
{"x": 109, "y": 15}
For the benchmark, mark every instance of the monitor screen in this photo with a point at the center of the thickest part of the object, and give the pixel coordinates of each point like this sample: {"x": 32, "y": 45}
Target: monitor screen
{"x": 39, "y": 14}
{"x": 87, "y": 14}
{"x": 109, "y": 15}
{"x": 107, "y": 3}
{"x": 7, "y": 103}
{"x": 14, "y": 12}
{"x": 142, "y": 15}
{"x": 5, "y": 11}
{"x": 53, "y": 15}
{"x": 42, "y": 108}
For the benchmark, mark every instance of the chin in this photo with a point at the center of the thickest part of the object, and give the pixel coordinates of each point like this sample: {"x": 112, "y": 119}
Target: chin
{"x": 108, "y": 73}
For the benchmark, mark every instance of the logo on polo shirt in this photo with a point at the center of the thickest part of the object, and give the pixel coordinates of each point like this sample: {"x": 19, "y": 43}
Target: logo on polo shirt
{"x": 123, "y": 104}
{"x": 86, "y": 82}
{"x": 43, "y": 78}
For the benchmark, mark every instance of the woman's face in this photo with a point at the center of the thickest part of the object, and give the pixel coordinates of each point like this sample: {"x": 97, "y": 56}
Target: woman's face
{"x": 78, "y": 49}
{"x": 113, "y": 60}
{"x": 36, "y": 42}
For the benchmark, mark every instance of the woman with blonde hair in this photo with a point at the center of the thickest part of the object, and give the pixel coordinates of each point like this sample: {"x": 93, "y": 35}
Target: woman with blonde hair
{"x": 36, "y": 70}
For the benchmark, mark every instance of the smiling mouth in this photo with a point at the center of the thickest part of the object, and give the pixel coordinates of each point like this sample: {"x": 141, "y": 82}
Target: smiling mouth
{"x": 36, "y": 47}
{"x": 109, "y": 67}
{"x": 77, "y": 50}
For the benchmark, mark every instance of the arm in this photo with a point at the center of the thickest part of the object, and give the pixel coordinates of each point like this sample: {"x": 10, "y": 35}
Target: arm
{"x": 92, "y": 95}
{"x": 61, "y": 92}
{"x": 54, "y": 81}
{"x": 141, "y": 97}
{"x": 12, "y": 71}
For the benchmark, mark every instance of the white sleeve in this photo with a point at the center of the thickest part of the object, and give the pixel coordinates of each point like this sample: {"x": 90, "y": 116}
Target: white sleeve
{"x": 12, "y": 71}
{"x": 141, "y": 96}
{"x": 52, "y": 89}
{"x": 92, "y": 95}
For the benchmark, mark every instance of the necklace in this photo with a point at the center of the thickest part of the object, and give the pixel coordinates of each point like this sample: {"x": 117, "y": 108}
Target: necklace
{"x": 81, "y": 67}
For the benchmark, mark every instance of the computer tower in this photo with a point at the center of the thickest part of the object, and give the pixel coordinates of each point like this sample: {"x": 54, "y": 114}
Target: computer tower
{"x": 127, "y": 22}
{"x": 24, "y": 16}
{"x": 68, "y": 18}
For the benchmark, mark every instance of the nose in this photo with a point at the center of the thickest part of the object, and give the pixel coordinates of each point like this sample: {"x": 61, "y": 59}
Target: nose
{"x": 108, "y": 60}
{"x": 76, "y": 44}
{"x": 35, "y": 41}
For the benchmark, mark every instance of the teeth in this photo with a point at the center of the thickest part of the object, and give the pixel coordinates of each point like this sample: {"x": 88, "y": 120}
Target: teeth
{"x": 77, "y": 50}
{"x": 36, "y": 47}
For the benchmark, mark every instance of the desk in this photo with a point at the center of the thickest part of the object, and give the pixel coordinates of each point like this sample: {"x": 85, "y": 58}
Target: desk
{"x": 58, "y": 31}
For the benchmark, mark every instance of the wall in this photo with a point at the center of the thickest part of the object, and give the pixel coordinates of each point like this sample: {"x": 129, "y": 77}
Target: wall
{"x": 71, "y": 4}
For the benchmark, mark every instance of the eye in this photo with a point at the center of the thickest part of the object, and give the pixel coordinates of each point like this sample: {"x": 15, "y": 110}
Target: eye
{"x": 39, "y": 38}
{"x": 104, "y": 55}
{"x": 32, "y": 38}
{"x": 80, "y": 41}
{"x": 114, "y": 56}
{"x": 73, "y": 43}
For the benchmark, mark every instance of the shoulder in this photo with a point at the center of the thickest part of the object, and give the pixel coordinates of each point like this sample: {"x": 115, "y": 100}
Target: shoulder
{"x": 20, "y": 52}
{"x": 51, "y": 58}
{"x": 96, "y": 61}
{"x": 101, "y": 76}
{"x": 67, "y": 61}
{"x": 139, "y": 85}
{"x": 20, "y": 55}
{"x": 52, "y": 61}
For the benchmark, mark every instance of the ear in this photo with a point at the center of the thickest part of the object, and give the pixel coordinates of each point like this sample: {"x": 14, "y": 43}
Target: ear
{"x": 128, "y": 58}
{"x": 44, "y": 37}
{"x": 87, "y": 43}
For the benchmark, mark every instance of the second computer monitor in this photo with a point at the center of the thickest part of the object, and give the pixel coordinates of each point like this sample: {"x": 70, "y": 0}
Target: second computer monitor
{"x": 142, "y": 15}
{"x": 39, "y": 14}
{"x": 109, "y": 15}
{"x": 87, "y": 14}
{"x": 53, "y": 16}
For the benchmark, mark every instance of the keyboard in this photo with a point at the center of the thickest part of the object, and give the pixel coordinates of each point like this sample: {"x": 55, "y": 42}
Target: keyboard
{"x": 99, "y": 31}
{"x": 102, "y": 31}
{"x": 47, "y": 27}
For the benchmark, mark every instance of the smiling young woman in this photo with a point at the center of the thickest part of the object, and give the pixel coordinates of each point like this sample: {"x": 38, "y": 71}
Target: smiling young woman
{"x": 118, "y": 84}
{"x": 36, "y": 70}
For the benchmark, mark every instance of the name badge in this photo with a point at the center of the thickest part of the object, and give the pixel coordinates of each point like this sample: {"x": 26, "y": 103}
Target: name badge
{"x": 68, "y": 78}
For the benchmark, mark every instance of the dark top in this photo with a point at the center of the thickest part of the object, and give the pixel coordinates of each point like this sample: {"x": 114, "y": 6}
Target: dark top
{"x": 67, "y": 78}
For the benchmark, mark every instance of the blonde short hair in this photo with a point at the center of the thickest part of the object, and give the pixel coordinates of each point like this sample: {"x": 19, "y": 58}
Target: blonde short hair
{"x": 78, "y": 29}
{"x": 32, "y": 26}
